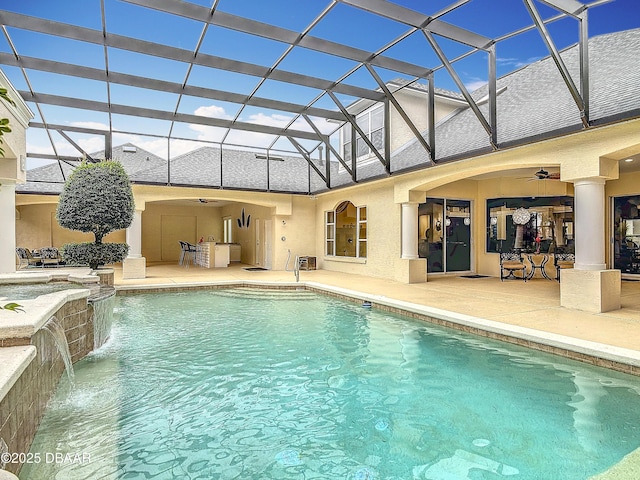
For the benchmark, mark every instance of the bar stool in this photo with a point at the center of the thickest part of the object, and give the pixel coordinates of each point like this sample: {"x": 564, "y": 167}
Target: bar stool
{"x": 187, "y": 254}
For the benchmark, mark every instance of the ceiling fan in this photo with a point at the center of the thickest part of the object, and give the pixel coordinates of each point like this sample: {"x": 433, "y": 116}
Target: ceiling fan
{"x": 543, "y": 174}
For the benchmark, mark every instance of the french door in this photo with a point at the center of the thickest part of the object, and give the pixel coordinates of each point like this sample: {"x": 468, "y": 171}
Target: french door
{"x": 444, "y": 229}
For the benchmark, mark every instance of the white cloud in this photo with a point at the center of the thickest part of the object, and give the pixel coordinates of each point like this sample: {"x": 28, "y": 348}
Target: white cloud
{"x": 94, "y": 125}
{"x": 515, "y": 63}
{"x": 212, "y": 111}
{"x": 473, "y": 85}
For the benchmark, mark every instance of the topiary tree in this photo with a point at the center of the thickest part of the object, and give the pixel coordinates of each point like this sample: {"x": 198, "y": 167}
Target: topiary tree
{"x": 97, "y": 198}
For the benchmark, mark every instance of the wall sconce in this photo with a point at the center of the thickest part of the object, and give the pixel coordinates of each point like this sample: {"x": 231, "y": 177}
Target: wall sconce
{"x": 447, "y": 222}
{"x": 494, "y": 220}
{"x": 467, "y": 221}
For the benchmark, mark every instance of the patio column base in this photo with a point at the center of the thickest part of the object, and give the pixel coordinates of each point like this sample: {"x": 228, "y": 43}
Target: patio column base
{"x": 134, "y": 267}
{"x": 593, "y": 291}
{"x": 414, "y": 270}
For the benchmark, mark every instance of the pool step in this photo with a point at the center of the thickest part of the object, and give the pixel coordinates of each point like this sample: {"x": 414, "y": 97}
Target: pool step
{"x": 266, "y": 294}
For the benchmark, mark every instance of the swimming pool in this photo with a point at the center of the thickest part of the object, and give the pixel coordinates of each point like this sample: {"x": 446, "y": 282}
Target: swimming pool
{"x": 240, "y": 384}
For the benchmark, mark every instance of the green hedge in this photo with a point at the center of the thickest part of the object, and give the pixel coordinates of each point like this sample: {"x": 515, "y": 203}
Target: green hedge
{"x": 94, "y": 254}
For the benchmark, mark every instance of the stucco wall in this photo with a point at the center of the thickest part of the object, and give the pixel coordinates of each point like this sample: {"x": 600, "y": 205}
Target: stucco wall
{"x": 36, "y": 227}
{"x": 414, "y": 105}
{"x": 299, "y": 231}
{"x": 246, "y": 235}
{"x": 14, "y": 143}
{"x": 383, "y": 231}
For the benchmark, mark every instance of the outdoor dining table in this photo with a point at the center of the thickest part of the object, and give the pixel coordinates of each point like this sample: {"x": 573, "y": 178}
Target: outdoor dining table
{"x": 544, "y": 258}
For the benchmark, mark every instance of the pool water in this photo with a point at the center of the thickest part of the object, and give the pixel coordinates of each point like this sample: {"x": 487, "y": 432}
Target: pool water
{"x": 33, "y": 290}
{"x": 242, "y": 384}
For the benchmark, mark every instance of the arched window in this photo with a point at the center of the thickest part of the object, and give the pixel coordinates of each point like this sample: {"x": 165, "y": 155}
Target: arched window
{"x": 346, "y": 231}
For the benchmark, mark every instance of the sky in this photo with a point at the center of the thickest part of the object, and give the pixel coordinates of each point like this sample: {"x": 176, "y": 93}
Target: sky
{"x": 343, "y": 24}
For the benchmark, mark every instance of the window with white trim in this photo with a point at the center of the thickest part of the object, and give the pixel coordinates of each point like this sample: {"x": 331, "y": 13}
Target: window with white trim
{"x": 371, "y": 122}
{"x": 346, "y": 231}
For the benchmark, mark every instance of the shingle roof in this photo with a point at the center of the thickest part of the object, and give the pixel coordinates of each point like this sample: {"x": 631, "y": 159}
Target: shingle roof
{"x": 537, "y": 103}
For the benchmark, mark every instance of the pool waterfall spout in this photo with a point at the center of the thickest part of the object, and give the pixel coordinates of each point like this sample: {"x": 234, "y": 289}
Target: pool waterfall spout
{"x": 103, "y": 302}
{"x": 53, "y": 328}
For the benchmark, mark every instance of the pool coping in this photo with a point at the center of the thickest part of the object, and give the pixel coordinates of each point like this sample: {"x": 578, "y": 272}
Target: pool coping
{"x": 595, "y": 353}
{"x": 14, "y": 361}
{"x": 37, "y": 312}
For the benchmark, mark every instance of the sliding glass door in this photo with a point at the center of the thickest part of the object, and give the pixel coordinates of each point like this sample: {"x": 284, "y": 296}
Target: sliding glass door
{"x": 444, "y": 229}
{"x": 626, "y": 228}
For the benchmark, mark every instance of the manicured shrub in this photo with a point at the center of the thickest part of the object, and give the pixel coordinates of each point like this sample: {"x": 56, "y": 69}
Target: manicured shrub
{"x": 97, "y": 198}
{"x": 94, "y": 254}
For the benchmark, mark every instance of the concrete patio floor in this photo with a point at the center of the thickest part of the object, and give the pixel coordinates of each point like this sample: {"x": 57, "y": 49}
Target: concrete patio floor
{"x": 534, "y": 304}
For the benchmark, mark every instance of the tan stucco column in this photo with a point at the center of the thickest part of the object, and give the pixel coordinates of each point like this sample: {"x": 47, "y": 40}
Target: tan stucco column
{"x": 135, "y": 265}
{"x": 414, "y": 268}
{"x": 8, "y": 222}
{"x": 410, "y": 231}
{"x": 590, "y": 285}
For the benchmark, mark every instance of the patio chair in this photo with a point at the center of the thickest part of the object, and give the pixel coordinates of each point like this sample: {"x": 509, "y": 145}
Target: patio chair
{"x": 50, "y": 256}
{"x": 511, "y": 262}
{"x": 562, "y": 260}
{"x": 26, "y": 258}
{"x": 187, "y": 253}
